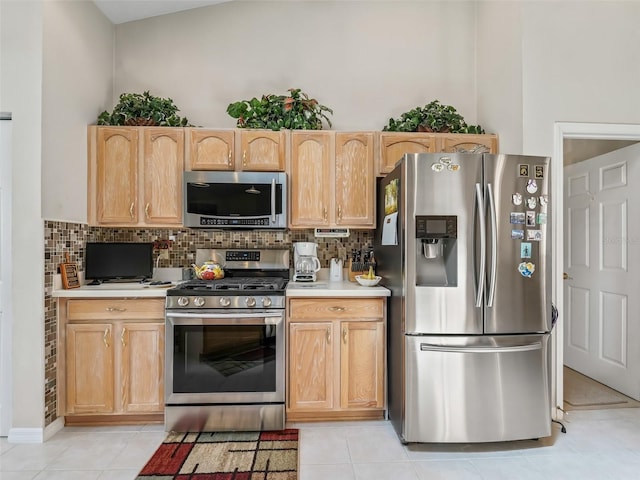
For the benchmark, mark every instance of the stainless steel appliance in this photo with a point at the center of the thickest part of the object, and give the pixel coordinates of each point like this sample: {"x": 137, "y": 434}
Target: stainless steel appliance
{"x": 465, "y": 248}
{"x": 235, "y": 200}
{"x": 305, "y": 260}
{"x": 225, "y": 344}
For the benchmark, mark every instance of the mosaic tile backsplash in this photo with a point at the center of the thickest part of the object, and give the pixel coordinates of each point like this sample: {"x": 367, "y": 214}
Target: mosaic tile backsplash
{"x": 61, "y": 238}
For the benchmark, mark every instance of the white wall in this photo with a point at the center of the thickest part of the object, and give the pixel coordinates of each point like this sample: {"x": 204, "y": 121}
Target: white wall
{"x": 581, "y": 63}
{"x": 77, "y": 86}
{"x": 499, "y": 72}
{"x": 369, "y": 61}
{"x": 49, "y": 49}
{"x": 20, "y": 93}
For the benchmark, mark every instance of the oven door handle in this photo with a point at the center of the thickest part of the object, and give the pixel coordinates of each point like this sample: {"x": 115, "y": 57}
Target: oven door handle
{"x": 246, "y": 318}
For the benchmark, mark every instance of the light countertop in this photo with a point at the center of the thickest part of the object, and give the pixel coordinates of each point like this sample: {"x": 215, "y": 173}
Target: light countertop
{"x": 325, "y": 288}
{"x": 114, "y": 290}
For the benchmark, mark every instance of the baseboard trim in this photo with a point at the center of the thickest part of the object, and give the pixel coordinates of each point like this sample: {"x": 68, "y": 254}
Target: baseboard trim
{"x": 35, "y": 435}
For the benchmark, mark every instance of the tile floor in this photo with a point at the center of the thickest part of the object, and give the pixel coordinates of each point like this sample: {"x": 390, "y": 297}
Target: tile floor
{"x": 598, "y": 445}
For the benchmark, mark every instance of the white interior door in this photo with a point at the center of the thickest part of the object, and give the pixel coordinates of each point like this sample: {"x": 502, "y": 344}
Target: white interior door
{"x": 602, "y": 267}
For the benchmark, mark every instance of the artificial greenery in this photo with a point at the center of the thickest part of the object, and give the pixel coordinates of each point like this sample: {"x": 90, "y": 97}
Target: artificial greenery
{"x": 295, "y": 111}
{"x": 433, "y": 117}
{"x": 143, "y": 109}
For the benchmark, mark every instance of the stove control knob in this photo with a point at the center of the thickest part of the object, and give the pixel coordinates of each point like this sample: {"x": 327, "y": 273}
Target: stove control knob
{"x": 250, "y": 301}
{"x": 266, "y": 301}
{"x": 183, "y": 301}
{"x": 225, "y": 301}
{"x": 198, "y": 301}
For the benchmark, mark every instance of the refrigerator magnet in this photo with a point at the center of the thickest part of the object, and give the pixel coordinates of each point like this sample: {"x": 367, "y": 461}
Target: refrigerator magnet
{"x": 541, "y": 219}
{"x": 531, "y": 202}
{"x": 526, "y": 269}
{"x": 517, "y": 234}
{"x": 516, "y": 218}
{"x": 538, "y": 171}
{"x": 523, "y": 170}
{"x": 530, "y": 219}
{"x": 525, "y": 250}
{"x": 454, "y": 167}
{"x": 543, "y": 200}
{"x": 516, "y": 198}
{"x": 437, "y": 167}
{"x": 534, "y": 235}
{"x": 532, "y": 186}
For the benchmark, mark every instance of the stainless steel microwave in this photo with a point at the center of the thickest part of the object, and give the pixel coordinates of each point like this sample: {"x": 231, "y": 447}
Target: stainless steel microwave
{"x": 235, "y": 200}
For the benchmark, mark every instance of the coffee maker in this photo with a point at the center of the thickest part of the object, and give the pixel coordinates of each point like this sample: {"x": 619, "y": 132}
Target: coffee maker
{"x": 305, "y": 261}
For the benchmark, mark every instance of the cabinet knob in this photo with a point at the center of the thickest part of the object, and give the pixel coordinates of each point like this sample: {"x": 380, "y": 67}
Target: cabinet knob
{"x": 344, "y": 335}
{"x": 336, "y": 309}
{"x": 328, "y": 335}
{"x": 146, "y": 210}
{"x": 105, "y": 337}
{"x": 244, "y": 158}
{"x": 229, "y": 157}
{"x": 339, "y": 212}
{"x": 131, "y": 209}
{"x": 122, "y": 336}
{"x": 324, "y": 213}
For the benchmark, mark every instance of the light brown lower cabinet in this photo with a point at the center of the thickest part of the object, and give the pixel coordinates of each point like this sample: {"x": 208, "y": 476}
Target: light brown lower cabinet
{"x": 336, "y": 358}
{"x": 113, "y": 364}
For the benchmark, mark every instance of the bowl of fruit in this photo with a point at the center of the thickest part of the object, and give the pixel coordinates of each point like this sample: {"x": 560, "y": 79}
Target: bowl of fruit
{"x": 369, "y": 279}
{"x": 208, "y": 271}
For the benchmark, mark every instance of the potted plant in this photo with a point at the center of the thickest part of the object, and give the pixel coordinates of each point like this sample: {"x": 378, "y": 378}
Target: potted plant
{"x": 295, "y": 111}
{"x": 433, "y": 117}
{"x": 143, "y": 110}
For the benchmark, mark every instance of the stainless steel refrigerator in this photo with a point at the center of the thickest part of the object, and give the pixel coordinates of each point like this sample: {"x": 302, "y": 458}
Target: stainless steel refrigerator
{"x": 464, "y": 245}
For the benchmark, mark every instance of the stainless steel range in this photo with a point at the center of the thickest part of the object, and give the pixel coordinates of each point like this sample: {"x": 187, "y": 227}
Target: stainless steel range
{"x": 225, "y": 345}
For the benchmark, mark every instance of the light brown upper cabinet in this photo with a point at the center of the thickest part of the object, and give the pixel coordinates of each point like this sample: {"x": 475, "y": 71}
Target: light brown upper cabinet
{"x": 239, "y": 149}
{"x": 135, "y": 176}
{"x": 332, "y": 179}
{"x": 393, "y": 145}
{"x": 467, "y": 143}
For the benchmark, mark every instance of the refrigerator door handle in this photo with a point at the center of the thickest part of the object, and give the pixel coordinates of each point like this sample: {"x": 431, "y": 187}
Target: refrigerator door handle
{"x": 428, "y": 347}
{"x": 483, "y": 254}
{"x": 494, "y": 247}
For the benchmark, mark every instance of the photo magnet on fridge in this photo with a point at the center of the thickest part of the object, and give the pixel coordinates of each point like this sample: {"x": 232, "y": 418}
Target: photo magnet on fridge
{"x": 523, "y": 170}
{"x": 525, "y": 250}
{"x": 516, "y": 218}
{"x": 517, "y": 234}
{"x": 538, "y": 171}
{"x": 531, "y": 219}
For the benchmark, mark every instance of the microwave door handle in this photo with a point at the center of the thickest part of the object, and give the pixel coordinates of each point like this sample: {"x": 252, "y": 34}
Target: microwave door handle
{"x": 273, "y": 200}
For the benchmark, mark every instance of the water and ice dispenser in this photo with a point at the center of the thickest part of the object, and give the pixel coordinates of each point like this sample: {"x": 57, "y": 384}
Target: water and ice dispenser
{"x": 436, "y": 250}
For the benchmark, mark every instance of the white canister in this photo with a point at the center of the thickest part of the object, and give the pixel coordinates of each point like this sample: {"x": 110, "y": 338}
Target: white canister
{"x": 335, "y": 270}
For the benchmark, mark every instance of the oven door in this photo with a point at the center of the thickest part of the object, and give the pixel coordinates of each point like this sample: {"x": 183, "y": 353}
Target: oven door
{"x": 231, "y": 357}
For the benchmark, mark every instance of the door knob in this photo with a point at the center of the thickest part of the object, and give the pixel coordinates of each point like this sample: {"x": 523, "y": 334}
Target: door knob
{"x": 565, "y": 276}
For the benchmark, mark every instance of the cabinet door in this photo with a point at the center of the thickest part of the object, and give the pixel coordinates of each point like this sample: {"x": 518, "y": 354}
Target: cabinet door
{"x": 141, "y": 367}
{"x": 468, "y": 143}
{"x": 89, "y": 368}
{"x": 354, "y": 180}
{"x": 117, "y": 175}
{"x": 311, "y": 164}
{"x": 311, "y": 364}
{"x": 262, "y": 150}
{"x": 162, "y": 171}
{"x": 210, "y": 149}
{"x": 362, "y": 365}
{"x": 394, "y": 145}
